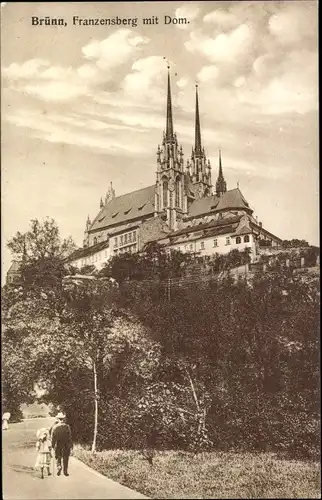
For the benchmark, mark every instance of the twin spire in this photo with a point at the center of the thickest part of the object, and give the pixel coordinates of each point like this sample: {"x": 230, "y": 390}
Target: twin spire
{"x": 169, "y": 124}
{"x": 221, "y": 186}
{"x": 198, "y": 148}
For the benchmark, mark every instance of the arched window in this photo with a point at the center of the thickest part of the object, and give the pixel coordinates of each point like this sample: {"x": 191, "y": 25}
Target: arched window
{"x": 177, "y": 197}
{"x": 246, "y": 239}
{"x": 238, "y": 240}
{"x": 165, "y": 193}
{"x": 95, "y": 240}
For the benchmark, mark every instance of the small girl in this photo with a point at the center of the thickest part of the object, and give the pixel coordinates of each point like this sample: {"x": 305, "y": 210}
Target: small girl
{"x": 5, "y": 421}
{"x": 44, "y": 451}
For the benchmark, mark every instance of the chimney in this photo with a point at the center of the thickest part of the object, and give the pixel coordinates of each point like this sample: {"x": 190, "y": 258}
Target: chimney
{"x": 260, "y": 224}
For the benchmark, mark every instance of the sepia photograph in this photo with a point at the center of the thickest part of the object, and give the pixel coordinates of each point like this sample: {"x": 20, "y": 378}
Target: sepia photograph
{"x": 160, "y": 250}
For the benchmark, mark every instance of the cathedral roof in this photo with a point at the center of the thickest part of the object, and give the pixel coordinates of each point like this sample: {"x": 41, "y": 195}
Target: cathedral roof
{"x": 232, "y": 199}
{"x": 125, "y": 208}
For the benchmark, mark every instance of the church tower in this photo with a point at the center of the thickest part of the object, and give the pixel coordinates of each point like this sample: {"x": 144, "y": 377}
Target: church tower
{"x": 198, "y": 167}
{"x": 86, "y": 232}
{"x": 221, "y": 185}
{"x": 170, "y": 197}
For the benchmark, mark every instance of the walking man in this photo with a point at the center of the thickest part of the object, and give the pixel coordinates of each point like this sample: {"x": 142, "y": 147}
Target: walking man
{"x": 62, "y": 443}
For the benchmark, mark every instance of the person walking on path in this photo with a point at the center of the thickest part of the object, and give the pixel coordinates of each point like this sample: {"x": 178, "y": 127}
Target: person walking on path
{"x": 62, "y": 444}
{"x": 44, "y": 447}
{"x": 5, "y": 421}
{"x": 52, "y": 427}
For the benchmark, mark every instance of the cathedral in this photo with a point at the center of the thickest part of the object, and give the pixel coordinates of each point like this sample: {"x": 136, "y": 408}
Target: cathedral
{"x": 183, "y": 210}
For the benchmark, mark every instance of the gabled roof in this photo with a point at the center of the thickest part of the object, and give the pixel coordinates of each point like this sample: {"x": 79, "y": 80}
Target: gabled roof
{"x": 125, "y": 208}
{"x": 207, "y": 225}
{"x": 84, "y": 252}
{"x": 232, "y": 199}
{"x": 15, "y": 267}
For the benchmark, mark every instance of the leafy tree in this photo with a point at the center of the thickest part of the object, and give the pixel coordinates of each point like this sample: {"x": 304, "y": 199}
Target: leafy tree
{"x": 42, "y": 254}
{"x": 294, "y": 243}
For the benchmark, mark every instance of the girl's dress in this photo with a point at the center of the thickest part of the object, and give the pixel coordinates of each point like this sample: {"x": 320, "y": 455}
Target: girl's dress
{"x": 44, "y": 454}
{"x": 5, "y": 421}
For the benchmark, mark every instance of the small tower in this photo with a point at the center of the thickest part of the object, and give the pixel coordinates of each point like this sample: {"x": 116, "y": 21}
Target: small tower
{"x": 101, "y": 203}
{"x": 110, "y": 194}
{"x": 170, "y": 197}
{"x": 198, "y": 166}
{"x": 221, "y": 185}
{"x": 86, "y": 232}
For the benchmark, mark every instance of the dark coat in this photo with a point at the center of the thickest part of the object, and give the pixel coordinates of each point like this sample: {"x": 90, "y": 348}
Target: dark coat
{"x": 62, "y": 436}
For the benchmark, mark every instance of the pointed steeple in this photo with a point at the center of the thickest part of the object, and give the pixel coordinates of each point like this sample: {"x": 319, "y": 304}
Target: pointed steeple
{"x": 221, "y": 185}
{"x": 198, "y": 148}
{"x": 169, "y": 123}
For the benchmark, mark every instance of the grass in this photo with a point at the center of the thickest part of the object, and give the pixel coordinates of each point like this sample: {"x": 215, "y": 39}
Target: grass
{"x": 176, "y": 474}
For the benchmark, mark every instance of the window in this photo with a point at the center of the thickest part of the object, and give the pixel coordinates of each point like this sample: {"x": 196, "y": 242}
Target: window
{"x": 95, "y": 240}
{"x": 115, "y": 241}
{"x": 134, "y": 235}
{"x": 130, "y": 237}
{"x": 125, "y": 239}
{"x": 165, "y": 193}
{"x": 238, "y": 240}
{"x": 177, "y": 193}
{"x": 191, "y": 247}
{"x": 246, "y": 238}
{"x": 121, "y": 240}
{"x": 202, "y": 245}
{"x": 215, "y": 242}
{"x": 228, "y": 240}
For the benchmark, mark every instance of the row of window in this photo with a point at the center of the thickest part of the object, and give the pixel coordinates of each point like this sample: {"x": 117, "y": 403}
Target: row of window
{"x": 94, "y": 258}
{"x": 215, "y": 243}
{"x": 124, "y": 239}
{"x": 128, "y": 249}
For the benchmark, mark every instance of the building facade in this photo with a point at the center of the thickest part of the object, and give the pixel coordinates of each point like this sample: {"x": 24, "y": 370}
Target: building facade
{"x": 182, "y": 210}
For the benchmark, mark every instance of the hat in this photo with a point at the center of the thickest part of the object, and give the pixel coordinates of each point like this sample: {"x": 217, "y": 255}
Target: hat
{"x": 42, "y": 432}
{"x": 60, "y": 416}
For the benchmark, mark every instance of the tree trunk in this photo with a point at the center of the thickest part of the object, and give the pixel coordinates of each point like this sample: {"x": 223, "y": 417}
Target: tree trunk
{"x": 96, "y": 408}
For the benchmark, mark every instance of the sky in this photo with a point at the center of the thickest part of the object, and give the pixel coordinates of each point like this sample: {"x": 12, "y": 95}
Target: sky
{"x": 82, "y": 106}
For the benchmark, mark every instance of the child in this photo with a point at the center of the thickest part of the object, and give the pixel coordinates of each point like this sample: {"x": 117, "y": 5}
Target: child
{"x": 5, "y": 421}
{"x": 44, "y": 451}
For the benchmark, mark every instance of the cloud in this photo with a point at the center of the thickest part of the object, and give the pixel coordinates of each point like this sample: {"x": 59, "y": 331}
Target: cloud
{"x": 39, "y": 78}
{"x": 28, "y": 70}
{"x": 290, "y": 26}
{"x": 224, "y": 47}
{"x": 115, "y": 50}
{"x": 190, "y": 12}
{"x": 208, "y": 73}
{"x": 222, "y": 19}
{"x": 75, "y": 129}
{"x": 183, "y": 82}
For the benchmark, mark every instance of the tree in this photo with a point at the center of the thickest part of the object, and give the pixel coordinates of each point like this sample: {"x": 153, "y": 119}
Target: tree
{"x": 42, "y": 254}
{"x": 89, "y": 318}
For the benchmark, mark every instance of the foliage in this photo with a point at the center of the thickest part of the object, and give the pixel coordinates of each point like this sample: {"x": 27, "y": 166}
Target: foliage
{"x": 42, "y": 254}
{"x": 294, "y": 243}
{"x": 155, "y": 363}
{"x": 155, "y": 263}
